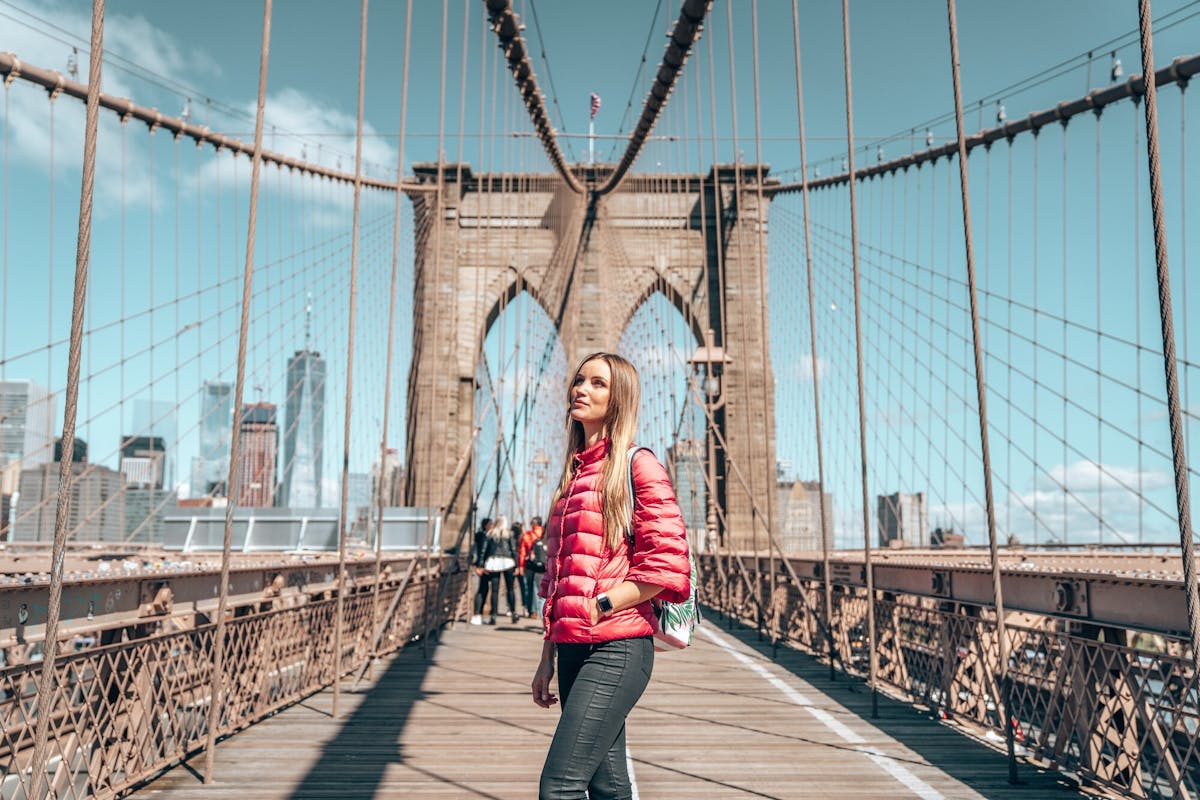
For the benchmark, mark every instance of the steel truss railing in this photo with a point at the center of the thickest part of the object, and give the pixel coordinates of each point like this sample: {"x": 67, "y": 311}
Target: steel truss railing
{"x": 1081, "y": 698}
{"x": 139, "y": 701}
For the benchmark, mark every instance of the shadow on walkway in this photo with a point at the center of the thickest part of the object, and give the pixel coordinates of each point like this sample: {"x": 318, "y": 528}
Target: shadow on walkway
{"x": 353, "y": 763}
{"x": 967, "y": 760}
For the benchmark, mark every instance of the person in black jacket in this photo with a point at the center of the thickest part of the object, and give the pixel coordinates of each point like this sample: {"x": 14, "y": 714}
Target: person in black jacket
{"x": 495, "y": 556}
{"x": 477, "y": 548}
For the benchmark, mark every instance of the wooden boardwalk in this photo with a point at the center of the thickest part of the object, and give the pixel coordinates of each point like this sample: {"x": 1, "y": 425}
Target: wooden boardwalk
{"x": 721, "y": 720}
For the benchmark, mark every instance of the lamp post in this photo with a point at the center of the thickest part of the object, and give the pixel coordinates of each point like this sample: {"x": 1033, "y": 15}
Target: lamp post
{"x": 541, "y": 465}
{"x": 708, "y": 365}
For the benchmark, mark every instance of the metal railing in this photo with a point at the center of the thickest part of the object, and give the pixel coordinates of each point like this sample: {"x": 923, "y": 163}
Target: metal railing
{"x": 1118, "y": 706}
{"x": 138, "y": 702}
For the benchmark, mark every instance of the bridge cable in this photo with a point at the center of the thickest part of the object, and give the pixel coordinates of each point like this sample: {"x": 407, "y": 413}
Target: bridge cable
{"x": 215, "y": 702}
{"x": 1179, "y": 461}
{"x": 767, "y": 396}
{"x": 47, "y": 689}
{"x": 391, "y": 333}
{"x": 507, "y": 28}
{"x": 612, "y": 152}
{"x": 743, "y": 305}
{"x": 862, "y": 420}
{"x": 562, "y": 122}
{"x": 722, "y": 300}
{"x": 1004, "y": 700}
{"x": 5, "y": 520}
{"x": 826, "y": 525}
{"x": 686, "y": 31}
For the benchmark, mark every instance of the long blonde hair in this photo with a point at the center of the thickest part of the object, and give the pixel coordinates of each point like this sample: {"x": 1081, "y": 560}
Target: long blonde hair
{"x": 620, "y": 424}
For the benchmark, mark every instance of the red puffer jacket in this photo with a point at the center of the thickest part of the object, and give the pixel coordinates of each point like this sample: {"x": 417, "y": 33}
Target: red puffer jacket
{"x": 580, "y": 565}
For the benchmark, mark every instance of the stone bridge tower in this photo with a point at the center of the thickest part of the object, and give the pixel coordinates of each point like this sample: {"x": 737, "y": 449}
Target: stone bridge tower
{"x": 590, "y": 262}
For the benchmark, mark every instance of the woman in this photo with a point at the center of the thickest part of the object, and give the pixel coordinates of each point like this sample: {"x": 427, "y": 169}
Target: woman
{"x": 598, "y": 585}
{"x": 496, "y": 557}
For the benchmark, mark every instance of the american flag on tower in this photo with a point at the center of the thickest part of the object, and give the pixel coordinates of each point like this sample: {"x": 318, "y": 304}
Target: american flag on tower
{"x": 595, "y": 104}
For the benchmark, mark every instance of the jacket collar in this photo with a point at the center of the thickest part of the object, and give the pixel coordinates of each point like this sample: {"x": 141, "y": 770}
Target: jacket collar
{"x": 593, "y": 453}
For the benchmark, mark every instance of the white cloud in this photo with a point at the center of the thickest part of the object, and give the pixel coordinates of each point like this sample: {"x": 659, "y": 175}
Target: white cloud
{"x": 291, "y": 109}
{"x": 1096, "y": 508}
{"x": 30, "y": 111}
{"x": 1088, "y": 476}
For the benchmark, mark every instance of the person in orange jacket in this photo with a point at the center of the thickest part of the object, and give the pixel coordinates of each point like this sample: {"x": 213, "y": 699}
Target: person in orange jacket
{"x": 531, "y": 563}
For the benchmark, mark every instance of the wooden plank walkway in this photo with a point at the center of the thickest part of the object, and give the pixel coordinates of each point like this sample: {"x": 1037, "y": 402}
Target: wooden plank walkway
{"x": 721, "y": 720}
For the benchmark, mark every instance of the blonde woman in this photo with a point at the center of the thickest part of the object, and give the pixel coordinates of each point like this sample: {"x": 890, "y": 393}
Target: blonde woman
{"x": 598, "y": 584}
{"x": 496, "y": 558}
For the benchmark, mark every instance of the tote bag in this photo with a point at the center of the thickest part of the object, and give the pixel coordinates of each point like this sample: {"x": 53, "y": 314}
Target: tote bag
{"x": 676, "y": 621}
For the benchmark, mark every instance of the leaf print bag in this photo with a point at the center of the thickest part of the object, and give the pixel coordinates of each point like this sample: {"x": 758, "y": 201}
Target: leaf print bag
{"x": 676, "y": 621}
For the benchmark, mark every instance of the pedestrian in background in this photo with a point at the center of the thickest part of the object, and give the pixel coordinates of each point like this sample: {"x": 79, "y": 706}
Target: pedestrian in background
{"x": 477, "y": 557}
{"x": 496, "y": 560}
{"x": 531, "y": 563}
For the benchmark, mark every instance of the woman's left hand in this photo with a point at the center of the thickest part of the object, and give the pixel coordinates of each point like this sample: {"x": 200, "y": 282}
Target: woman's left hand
{"x": 593, "y": 610}
{"x": 542, "y": 695}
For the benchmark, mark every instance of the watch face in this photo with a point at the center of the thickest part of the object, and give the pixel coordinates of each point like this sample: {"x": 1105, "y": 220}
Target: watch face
{"x": 604, "y": 603}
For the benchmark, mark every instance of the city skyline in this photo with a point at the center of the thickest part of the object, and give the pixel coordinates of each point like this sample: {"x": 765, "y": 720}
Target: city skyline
{"x": 163, "y": 313}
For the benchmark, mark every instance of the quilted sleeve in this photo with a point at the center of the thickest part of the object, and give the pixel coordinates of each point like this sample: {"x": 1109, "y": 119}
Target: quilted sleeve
{"x": 660, "y": 547}
{"x": 553, "y": 538}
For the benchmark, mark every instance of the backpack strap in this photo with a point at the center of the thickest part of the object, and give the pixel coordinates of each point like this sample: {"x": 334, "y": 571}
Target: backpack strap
{"x": 633, "y": 451}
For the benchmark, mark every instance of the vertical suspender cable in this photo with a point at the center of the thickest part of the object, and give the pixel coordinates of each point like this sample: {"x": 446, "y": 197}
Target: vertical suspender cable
{"x": 214, "y": 709}
{"x": 718, "y": 231}
{"x": 438, "y": 225}
{"x": 751, "y": 489}
{"x": 338, "y": 623}
{"x": 1182, "y": 499}
{"x": 1002, "y": 701}
{"x": 862, "y": 420}
{"x": 391, "y": 327}
{"x": 46, "y": 680}
{"x": 812, "y": 329}
{"x": 760, "y": 233}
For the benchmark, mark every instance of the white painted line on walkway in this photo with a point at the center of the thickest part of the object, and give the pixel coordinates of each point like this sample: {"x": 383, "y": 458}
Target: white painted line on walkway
{"x": 888, "y": 764}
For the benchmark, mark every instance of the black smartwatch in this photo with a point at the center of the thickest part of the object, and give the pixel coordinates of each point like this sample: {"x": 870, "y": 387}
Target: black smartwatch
{"x": 604, "y": 604}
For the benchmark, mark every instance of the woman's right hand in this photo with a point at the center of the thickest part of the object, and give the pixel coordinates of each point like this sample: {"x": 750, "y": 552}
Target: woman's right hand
{"x": 542, "y": 695}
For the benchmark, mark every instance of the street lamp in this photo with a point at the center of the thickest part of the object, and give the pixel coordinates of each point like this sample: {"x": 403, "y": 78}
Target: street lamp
{"x": 541, "y": 465}
{"x": 708, "y": 365}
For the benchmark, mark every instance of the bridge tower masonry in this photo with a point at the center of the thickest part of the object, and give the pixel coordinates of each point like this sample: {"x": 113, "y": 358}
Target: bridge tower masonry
{"x": 590, "y": 261}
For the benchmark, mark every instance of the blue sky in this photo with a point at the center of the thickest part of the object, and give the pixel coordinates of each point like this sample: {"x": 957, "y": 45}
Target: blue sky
{"x": 204, "y": 57}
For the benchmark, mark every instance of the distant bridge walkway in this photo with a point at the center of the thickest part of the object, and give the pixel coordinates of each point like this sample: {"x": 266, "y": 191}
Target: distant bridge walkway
{"x": 722, "y": 720}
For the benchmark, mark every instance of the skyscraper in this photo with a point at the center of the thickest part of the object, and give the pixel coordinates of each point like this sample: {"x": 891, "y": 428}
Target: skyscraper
{"x": 388, "y": 480}
{"x": 799, "y": 515}
{"x": 157, "y": 419}
{"x": 142, "y": 461}
{"x": 258, "y": 450}
{"x": 97, "y": 510}
{"x": 903, "y": 520}
{"x": 210, "y": 469}
{"x": 304, "y": 436}
{"x": 27, "y": 418}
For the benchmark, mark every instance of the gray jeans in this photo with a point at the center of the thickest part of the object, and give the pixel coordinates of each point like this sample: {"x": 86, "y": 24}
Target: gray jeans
{"x": 598, "y": 685}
